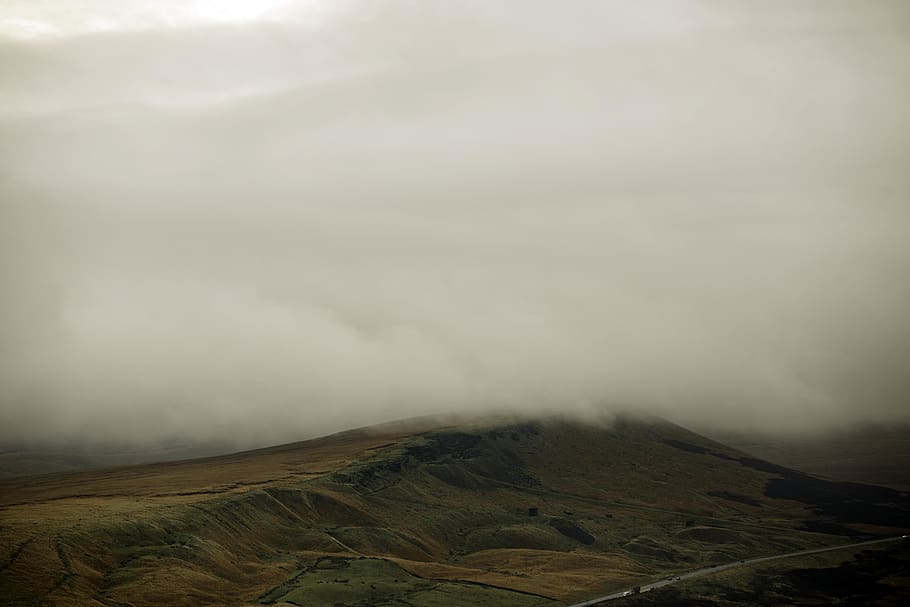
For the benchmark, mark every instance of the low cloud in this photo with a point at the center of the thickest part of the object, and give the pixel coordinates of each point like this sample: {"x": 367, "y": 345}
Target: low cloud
{"x": 697, "y": 211}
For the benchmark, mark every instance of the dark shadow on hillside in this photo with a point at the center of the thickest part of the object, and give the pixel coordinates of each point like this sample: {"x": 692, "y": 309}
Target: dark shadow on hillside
{"x": 842, "y": 502}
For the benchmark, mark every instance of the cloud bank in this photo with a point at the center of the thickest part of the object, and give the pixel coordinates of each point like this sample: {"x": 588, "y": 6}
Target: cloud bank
{"x": 261, "y": 233}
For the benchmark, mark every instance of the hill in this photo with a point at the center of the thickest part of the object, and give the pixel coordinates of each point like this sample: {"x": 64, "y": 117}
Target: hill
{"x": 19, "y": 461}
{"x": 873, "y": 454}
{"x": 496, "y": 512}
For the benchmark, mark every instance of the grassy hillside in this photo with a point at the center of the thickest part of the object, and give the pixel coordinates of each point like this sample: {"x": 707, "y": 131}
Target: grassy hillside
{"x": 426, "y": 514}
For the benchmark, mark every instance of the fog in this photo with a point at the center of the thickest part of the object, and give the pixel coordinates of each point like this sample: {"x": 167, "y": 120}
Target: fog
{"x": 262, "y": 230}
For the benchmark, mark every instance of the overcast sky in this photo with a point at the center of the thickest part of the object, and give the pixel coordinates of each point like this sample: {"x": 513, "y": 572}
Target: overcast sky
{"x": 262, "y": 221}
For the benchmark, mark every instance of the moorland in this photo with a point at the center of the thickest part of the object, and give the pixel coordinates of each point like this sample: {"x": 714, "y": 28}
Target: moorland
{"x": 523, "y": 512}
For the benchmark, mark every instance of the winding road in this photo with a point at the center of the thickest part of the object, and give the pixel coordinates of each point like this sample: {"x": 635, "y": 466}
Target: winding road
{"x": 715, "y": 568}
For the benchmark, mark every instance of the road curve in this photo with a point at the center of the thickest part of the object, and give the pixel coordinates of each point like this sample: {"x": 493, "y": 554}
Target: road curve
{"x": 715, "y": 568}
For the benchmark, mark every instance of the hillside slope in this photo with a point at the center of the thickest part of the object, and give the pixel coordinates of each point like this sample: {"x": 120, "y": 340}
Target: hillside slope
{"x": 497, "y": 512}
{"x": 874, "y": 454}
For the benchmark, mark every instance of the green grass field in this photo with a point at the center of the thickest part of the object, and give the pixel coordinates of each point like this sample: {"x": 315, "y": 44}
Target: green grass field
{"x": 368, "y": 581}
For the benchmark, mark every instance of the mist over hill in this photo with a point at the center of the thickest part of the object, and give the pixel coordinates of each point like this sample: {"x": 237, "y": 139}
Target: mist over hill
{"x": 452, "y": 304}
{"x": 283, "y": 223}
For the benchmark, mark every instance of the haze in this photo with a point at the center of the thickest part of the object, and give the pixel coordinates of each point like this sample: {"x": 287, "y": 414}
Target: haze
{"x": 263, "y": 225}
